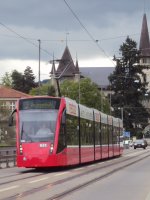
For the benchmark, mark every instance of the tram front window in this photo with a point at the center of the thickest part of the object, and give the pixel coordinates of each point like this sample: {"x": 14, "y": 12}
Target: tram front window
{"x": 37, "y": 125}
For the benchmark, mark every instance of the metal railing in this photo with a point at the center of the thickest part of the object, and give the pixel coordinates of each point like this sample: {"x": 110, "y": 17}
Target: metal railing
{"x": 7, "y": 158}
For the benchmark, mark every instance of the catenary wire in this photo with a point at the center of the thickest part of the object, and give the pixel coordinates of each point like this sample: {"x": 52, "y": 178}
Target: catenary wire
{"x": 86, "y": 30}
{"x": 26, "y": 39}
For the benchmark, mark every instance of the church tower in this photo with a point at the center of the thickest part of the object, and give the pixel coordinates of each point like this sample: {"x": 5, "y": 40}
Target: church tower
{"x": 66, "y": 70}
{"x": 144, "y": 46}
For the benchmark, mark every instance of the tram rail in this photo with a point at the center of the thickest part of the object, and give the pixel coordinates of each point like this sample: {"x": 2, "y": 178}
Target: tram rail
{"x": 107, "y": 169}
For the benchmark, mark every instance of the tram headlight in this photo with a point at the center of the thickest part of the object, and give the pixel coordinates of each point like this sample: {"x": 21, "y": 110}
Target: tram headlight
{"x": 51, "y": 148}
{"x": 24, "y": 159}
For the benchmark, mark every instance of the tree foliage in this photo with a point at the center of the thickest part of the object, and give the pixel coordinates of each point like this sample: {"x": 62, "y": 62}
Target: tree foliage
{"x": 85, "y": 92}
{"x": 23, "y": 82}
{"x": 128, "y": 82}
{"x": 7, "y": 80}
{"x": 45, "y": 89}
{"x": 29, "y": 79}
{"x": 17, "y": 80}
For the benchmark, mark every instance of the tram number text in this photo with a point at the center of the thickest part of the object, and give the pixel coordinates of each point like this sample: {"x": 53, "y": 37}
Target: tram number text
{"x": 43, "y": 145}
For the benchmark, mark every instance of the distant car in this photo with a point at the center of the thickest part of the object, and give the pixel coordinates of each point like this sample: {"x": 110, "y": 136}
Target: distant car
{"x": 140, "y": 144}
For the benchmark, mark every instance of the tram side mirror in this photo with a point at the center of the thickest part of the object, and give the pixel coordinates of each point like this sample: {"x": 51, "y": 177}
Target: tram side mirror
{"x": 64, "y": 117}
{"x": 11, "y": 118}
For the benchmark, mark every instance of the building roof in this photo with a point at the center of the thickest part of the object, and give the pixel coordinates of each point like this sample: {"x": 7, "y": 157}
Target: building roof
{"x": 98, "y": 75}
{"x": 66, "y": 65}
{"x": 144, "y": 39}
{"x": 6, "y": 92}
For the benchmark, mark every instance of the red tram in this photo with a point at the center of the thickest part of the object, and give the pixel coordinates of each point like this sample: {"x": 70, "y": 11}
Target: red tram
{"x": 52, "y": 131}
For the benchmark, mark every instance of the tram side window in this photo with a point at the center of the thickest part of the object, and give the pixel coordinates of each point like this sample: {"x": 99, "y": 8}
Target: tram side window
{"x": 110, "y": 134}
{"x": 115, "y": 133}
{"x": 104, "y": 133}
{"x": 119, "y": 131}
{"x": 97, "y": 133}
{"x": 86, "y": 129}
{"x": 72, "y": 130}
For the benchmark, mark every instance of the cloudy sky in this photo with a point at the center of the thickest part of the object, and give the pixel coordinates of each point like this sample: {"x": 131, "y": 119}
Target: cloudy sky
{"x": 94, "y": 31}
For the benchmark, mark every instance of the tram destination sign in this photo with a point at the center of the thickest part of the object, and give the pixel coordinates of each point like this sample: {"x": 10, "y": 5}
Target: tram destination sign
{"x": 39, "y": 103}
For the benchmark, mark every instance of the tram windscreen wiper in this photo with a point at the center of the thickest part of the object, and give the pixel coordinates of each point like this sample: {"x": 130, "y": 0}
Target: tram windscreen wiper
{"x": 27, "y": 138}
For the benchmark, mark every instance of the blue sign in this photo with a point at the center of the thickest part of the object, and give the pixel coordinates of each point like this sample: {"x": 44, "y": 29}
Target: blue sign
{"x": 126, "y": 134}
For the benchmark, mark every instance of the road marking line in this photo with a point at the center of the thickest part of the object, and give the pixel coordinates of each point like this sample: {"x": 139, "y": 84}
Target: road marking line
{"x": 38, "y": 180}
{"x": 77, "y": 169}
{"x": 101, "y": 163}
{"x": 92, "y": 165}
{"x": 131, "y": 154}
{"x": 9, "y": 188}
{"x": 61, "y": 174}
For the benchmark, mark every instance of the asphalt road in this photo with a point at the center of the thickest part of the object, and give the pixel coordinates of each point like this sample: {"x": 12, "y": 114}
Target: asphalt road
{"x": 124, "y": 178}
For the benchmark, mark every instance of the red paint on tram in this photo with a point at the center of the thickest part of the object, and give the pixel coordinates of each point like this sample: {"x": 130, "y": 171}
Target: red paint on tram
{"x": 78, "y": 134}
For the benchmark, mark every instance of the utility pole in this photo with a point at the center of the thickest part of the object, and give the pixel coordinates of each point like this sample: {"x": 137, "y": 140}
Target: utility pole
{"x": 39, "y": 61}
{"x": 58, "y": 77}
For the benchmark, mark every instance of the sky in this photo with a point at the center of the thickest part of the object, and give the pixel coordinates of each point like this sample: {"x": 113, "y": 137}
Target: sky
{"x": 93, "y": 31}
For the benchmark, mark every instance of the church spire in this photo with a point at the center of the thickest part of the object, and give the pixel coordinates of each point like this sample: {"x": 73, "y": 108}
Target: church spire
{"x": 53, "y": 70}
{"x": 66, "y": 65}
{"x": 144, "y": 39}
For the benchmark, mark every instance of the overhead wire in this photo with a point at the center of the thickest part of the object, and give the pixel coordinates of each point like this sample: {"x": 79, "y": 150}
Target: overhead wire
{"x": 71, "y": 40}
{"x": 29, "y": 40}
{"x": 61, "y": 40}
{"x": 86, "y": 30}
{"x": 20, "y": 36}
{"x": 26, "y": 39}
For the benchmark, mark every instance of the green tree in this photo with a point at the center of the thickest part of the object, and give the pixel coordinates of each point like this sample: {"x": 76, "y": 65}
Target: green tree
{"x": 17, "y": 80}
{"x": 45, "y": 89}
{"x": 28, "y": 80}
{"x": 86, "y": 92}
{"x": 7, "y": 80}
{"x": 128, "y": 82}
{"x": 23, "y": 82}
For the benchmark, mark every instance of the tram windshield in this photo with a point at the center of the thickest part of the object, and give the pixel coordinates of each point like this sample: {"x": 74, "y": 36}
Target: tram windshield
{"x": 37, "y": 125}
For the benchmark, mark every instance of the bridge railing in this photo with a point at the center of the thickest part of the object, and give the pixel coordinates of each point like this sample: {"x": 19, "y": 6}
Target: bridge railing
{"x": 7, "y": 158}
